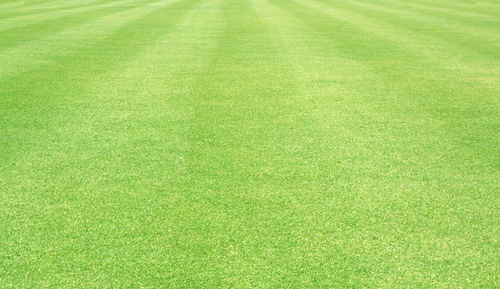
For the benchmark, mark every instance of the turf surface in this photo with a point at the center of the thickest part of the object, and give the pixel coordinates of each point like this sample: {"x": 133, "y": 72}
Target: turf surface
{"x": 249, "y": 144}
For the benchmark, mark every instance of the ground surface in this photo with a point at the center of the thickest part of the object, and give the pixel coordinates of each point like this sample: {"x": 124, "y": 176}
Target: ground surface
{"x": 249, "y": 143}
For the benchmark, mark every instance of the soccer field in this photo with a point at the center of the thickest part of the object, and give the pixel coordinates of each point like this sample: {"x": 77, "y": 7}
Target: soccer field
{"x": 249, "y": 144}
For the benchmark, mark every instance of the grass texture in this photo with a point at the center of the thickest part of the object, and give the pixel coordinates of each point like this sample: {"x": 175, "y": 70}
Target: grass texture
{"x": 249, "y": 144}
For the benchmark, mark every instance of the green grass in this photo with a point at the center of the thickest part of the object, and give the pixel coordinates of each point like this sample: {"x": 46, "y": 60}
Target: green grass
{"x": 249, "y": 144}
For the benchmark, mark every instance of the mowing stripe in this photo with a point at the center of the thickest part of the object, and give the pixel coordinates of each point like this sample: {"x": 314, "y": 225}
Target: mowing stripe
{"x": 235, "y": 151}
{"x": 346, "y": 38}
{"x": 140, "y": 102}
{"x": 249, "y": 144}
{"x": 480, "y": 7}
{"x": 431, "y": 48}
{"x": 468, "y": 16}
{"x": 17, "y": 36}
{"x": 41, "y": 51}
{"x": 410, "y": 17}
{"x": 86, "y": 62}
{"x": 39, "y": 10}
{"x": 12, "y": 5}
{"x": 328, "y": 74}
{"x": 18, "y": 21}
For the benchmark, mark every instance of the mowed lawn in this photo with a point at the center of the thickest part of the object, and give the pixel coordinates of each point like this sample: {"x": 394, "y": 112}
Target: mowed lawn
{"x": 249, "y": 144}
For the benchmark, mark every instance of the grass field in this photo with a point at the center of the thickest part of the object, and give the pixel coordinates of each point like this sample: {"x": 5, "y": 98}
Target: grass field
{"x": 249, "y": 144}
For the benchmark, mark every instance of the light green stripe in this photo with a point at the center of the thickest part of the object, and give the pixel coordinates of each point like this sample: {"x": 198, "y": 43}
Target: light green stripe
{"x": 432, "y": 50}
{"x": 447, "y": 12}
{"x": 426, "y": 20}
{"x": 35, "y": 53}
{"x": 34, "y": 11}
{"x": 19, "y": 21}
{"x": 32, "y": 32}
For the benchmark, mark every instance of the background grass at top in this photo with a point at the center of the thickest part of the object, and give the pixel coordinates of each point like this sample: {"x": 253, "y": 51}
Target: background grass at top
{"x": 249, "y": 144}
